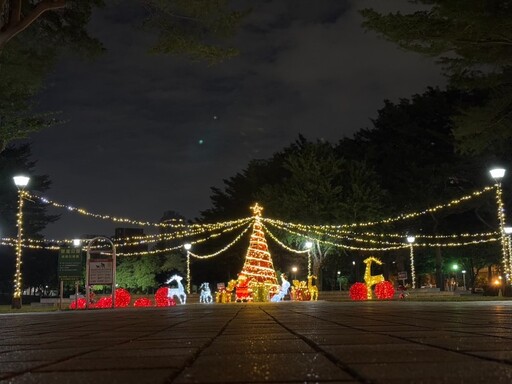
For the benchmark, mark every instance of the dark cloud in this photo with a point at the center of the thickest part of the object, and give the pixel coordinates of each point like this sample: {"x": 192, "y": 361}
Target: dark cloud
{"x": 132, "y": 144}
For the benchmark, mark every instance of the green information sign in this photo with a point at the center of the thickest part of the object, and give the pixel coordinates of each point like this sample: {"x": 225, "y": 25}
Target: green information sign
{"x": 70, "y": 263}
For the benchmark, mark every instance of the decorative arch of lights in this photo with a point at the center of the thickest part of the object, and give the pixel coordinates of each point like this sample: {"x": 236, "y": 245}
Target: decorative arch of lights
{"x": 356, "y": 236}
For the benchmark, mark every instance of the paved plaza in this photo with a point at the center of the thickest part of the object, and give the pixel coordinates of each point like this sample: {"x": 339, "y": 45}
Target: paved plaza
{"x": 288, "y": 342}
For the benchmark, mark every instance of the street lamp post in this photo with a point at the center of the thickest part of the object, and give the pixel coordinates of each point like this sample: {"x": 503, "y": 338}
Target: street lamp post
{"x": 187, "y": 247}
{"x": 294, "y": 270}
{"x": 21, "y": 182}
{"x": 464, "y": 278}
{"x": 455, "y": 268}
{"x": 308, "y": 245}
{"x": 497, "y": 174}
{"x": 355, "y": 270}
{"x": 411, "y": 240}
{"x": 339, "y": 280}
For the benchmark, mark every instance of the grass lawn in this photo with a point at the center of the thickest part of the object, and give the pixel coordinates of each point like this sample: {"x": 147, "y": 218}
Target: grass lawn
{"x": 26, "y": 309}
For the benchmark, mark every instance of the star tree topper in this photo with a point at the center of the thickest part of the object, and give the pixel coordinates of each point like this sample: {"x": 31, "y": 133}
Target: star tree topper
{"x": 256, "y": 209}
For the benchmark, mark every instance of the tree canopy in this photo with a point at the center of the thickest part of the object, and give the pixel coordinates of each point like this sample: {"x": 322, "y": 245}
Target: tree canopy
{"x": 473, "y": 41}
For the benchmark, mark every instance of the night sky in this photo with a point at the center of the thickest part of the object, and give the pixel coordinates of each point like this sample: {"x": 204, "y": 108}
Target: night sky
{"x": 149, "y": 133}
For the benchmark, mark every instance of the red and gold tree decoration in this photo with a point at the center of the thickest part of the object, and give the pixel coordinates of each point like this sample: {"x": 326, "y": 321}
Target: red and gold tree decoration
{"x": 258, "y": 266}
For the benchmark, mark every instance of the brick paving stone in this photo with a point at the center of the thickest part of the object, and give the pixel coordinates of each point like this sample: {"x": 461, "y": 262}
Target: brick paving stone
{"x": 257, "y": 345}
{"x": 40, "y": 354}
{"x": 146, "y": 376}
{"x": 115, "y": 363}
{"x": 262, "y": 367}
{"x": 452, "y": 372}
{"x": 398, "y": 353}
{"x": 368, "y": 339}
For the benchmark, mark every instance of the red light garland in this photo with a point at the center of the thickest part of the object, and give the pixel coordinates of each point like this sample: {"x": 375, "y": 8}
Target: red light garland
{"x": 161, "y": 298}
{"x": 143, "y": 302}
{"x": 358, "y": 291}
{"x": 104, "y": 302}
{"x": 384, "y": 290}
{"x": 77, "y": 304}
{"x": 123, "y": 298}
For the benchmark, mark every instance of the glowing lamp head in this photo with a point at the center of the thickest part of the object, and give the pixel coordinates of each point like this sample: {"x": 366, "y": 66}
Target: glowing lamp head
{"x": 21, "y": 181}
{"x": 411, "y": 239}
{"x": 308, "y": 244}
{"x": 507, "y": 230}
{"x": 187, "y": 246}
{"x": 497, "y": 173}
{"x": 294, "y": 269}
{"x": 455, "y": 267}
{"x": 77, "y": 242}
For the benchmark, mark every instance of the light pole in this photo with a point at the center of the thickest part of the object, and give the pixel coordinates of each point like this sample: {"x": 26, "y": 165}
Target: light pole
{"x": 21, "y": 182}
{"x": 308, "y": 245}
{"x": 508, "y": 233}
{"x": 187, "y": 247}
{"x": 355, "y": 270}
{"x": 497, "y": 174}
{"x": 411, "y": 240}
{"x": 339, "y": 279}
{"x": 294, "y": 270}
{"x": 455, "y": 268}
{"x": 464, "y": 278}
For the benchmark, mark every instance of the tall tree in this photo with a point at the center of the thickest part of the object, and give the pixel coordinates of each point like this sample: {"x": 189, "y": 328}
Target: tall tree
{"x": 323, "y": 188}
{"x": 14, "y": 161}
{"x": 473, "y": 41}
{"x": 412, "y": 148}
{"x": 306, "y": 182}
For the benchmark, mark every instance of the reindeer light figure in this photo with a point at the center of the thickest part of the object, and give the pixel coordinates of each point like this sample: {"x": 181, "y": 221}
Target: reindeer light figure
{"x": 206, "y": 294}
{"x": 370, "y": 279}
{"x": 179, "y": 291}
{"x": 313, "y": 290}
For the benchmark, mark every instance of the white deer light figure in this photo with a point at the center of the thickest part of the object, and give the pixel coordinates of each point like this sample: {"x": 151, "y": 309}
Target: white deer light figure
{"x": 206, "y": 293}
{"x": 178, "y": 292}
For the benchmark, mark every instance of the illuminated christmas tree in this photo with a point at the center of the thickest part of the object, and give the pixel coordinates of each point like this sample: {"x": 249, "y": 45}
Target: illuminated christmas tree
{"x": 258, "y": 266}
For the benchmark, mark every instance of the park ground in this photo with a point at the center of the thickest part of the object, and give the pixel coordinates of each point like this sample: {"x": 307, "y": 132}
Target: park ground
{"x": 289, "y": 342}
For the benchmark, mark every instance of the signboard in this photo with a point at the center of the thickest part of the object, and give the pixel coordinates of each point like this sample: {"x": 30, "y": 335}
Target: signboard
{"x": 100, "y": 272}
{"x": 402, "y": 275}
{"x": 70, "y": 264}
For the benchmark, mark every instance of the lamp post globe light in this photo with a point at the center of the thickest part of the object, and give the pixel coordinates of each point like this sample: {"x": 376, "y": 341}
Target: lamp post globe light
{"x": 464, "y": 278}
{"x": 497, "y": 174}
{"x": 294, "y": 270}
{"x": 21, "y": 183}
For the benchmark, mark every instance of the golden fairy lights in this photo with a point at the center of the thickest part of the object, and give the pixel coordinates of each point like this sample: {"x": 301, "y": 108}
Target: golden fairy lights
{"x": 225, "y": 248}
{"x": 19, "y": 223}
{"x": 345, "y": 236}
{"x": 176, "y": 223}
{"x": 501, "y": 220}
